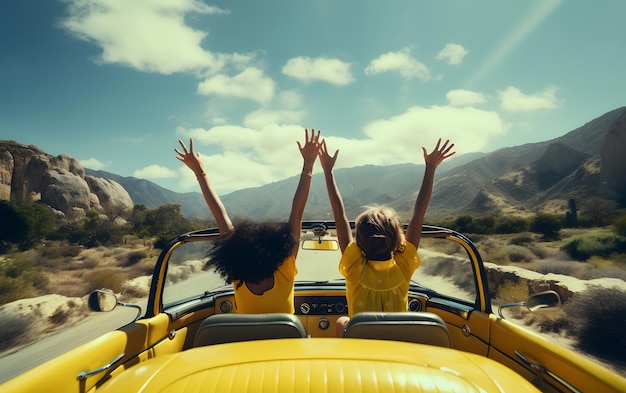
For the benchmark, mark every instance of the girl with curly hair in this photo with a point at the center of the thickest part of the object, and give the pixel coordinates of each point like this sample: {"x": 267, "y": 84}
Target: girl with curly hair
{"x": 258, "y": 258}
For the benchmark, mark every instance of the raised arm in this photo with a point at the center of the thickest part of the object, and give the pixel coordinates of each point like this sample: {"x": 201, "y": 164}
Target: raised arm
{"x": 344, "y": 233}
{"x": 192, "y": 160}
{"x": 432, "y": 160}
{"x": 309, "y": 154}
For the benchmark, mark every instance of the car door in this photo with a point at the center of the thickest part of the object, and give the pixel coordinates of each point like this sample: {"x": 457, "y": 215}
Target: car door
{"x": 453, "y": 277}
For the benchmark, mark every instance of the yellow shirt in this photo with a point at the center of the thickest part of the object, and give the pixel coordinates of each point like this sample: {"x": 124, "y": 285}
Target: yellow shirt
{"x": 277, "y": 299}
{"x": 378, "y": 285}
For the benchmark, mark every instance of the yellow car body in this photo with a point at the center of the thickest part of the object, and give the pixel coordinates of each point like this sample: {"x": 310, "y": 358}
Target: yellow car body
{"x": 159, "y": 352}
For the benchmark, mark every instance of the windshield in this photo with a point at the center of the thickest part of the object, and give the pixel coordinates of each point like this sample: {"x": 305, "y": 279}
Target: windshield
{"x": 445, "y": 268}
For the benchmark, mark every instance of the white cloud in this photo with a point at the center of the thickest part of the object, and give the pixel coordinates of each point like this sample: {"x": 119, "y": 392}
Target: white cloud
{"x": 263, "y": 152}
{"x": 92, "y": 163}
{"x": 155, "y": 172}
{"x": 250, "y": 84}
{"x": 146, "y": 35}
{"x": 460, "y": 97}
{"x": 400, "y": 139}
{"x": 401, "y": 62}
{"x": 454, "y": 53}
{"x": 245, "y": 157}
{"x": 513, "y": 100}
{"x": 308, "y": 69}
{"x": 262, "y": 118}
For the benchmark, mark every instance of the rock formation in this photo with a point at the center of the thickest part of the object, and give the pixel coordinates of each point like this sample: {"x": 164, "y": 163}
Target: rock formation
{"x": 29, "y": 174}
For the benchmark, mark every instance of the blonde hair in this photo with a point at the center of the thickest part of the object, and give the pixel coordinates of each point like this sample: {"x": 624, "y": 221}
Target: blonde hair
{"x": 378, "y": 232}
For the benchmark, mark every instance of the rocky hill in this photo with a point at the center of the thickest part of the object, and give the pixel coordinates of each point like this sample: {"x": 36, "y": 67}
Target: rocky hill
{"x": 29, "y": 174}
{"x": 521, "y": 180}
{"x": 586, "y": 162}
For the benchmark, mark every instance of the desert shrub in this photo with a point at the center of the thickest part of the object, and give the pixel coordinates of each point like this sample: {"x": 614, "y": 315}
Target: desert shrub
{"x": 597, "y": 316}
{"x": 510, "y": 225}
{"x": 19, "y": 279}
{"x": 510, "y": 291}
{"x": 547, "y": 225}
{"x": 540, "y": 251}
{"x": 522, "y": 240}
{"x": 109, "y": 279}
{"x": 144, "y": 268}
{"x": 59, "y": 252}
{"x": 162, "y": 242}
{"x": 134, "y": 257}
{"x": 619, "y": 226}
{"x": 498, "y": 256}
{"x": 583, "y": 247}
{"x": 518, "y": 253}
{"x": 15, "y": 329}
{"x": 453, "y": 268}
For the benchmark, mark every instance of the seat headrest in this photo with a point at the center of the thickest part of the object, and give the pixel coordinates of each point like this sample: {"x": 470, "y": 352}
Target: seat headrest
{"x": 225, "y": 328}
{"x": 417, "y": 327}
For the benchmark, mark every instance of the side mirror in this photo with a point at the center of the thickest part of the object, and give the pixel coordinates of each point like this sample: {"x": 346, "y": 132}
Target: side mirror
{"x": 105, "y": 301}
{"x": 102, "y": 301}
{"x": 541, "y": 301}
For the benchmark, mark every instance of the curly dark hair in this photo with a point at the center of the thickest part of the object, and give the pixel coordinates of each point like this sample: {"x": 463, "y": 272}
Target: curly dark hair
{"x": 252, "y": 251}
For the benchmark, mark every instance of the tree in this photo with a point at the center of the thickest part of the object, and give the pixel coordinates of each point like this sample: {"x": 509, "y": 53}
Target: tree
{"x": 24, "y": 225}
{"x": 167, "y": 222}
{"x": 597, "y": 210}
{"x": 547, "y": 225}
{"x": 137, "y": 217}
{"x": 14, "y": 228}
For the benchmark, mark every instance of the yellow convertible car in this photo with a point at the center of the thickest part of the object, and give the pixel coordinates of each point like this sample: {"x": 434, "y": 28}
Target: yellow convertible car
{"x": 189, "y": 337}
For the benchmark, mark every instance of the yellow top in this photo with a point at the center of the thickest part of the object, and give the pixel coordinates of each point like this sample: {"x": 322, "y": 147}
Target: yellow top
{"x": 378, "y": 285}
{"x": 277, "y": 299}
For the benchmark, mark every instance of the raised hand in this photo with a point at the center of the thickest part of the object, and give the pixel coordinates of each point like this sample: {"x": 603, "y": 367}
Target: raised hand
{"x": 439, "y": 154}
{"x": 190, "y": 158}
{"x": 326, "y": 160}
{"x": 311, "y": 146}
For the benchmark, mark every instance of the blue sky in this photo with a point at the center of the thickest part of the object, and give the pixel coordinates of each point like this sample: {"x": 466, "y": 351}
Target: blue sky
{"x": 115, "y": 83}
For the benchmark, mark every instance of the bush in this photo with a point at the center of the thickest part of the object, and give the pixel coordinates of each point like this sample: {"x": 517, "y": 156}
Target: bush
{"x": 134, "y": 257}
{"x": 510, "y": 292}
{"x": 59, "y": 252}
{"x": 521, "y": 240}
{"x": 511, "y": 225}
{"x": 619, "y": 226}
{"x": 107, "y": 279}
{"x": 547, "y": 225}
{"x": 20, "y": 279}
{"x": 584, "y": 247}
{"x": 519, "y": 253}
{"x": 597, "y": 317}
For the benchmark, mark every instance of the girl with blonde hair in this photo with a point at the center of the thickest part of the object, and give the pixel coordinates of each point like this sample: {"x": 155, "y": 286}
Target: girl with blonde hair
{"x": 378, "y": 266}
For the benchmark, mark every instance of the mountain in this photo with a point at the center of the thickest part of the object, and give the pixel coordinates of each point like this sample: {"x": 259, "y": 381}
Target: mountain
{"x": 541, "y": 176}
{"x": 522, "y": 180}
{"x": 152, "y": 195}
{"x": 519, "y": 180}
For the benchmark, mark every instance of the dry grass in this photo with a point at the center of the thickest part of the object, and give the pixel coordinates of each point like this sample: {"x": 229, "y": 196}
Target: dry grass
{"x": 102, "y": 268}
